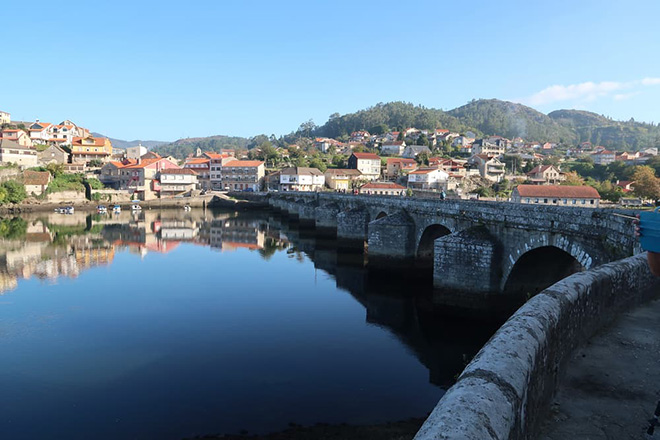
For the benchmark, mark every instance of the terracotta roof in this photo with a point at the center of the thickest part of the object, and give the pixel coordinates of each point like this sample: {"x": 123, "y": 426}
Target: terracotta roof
{"x": 216, "y": 155}
{"x": 558, "y": 191}
{"x": 10, "y": 130}
{"x": 344, "y": 172}
{"x": 424, "y": 171}
{"x": 178, "y": 171}
{"x": 98, "y": 142}
{"x": 539, "y": 169}
{"x": 196, "y": 160}
{"x": 366, "y": 156}
{"x": 36, "y": 177}
{"x": 397, "y": 143}
{"x": 401, "y": 159}
{"x": 143, "y": 163}
{"x": 243, "y": 163}
{"x": 382, "y": 185}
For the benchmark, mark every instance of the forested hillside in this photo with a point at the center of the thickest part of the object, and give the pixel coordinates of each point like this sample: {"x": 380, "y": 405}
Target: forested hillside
{"x": 185, "y": 147}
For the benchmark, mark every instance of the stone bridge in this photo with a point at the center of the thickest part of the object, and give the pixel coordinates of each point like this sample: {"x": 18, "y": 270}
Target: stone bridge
{"x": 475, "y": 248}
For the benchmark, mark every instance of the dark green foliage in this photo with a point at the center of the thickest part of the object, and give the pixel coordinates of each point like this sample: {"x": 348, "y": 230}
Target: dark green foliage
{"x": 383, "y": 117}
{"x": 15, "y": 191}
{"x": 13, "y": 228}
{"x": 600, "y": 130}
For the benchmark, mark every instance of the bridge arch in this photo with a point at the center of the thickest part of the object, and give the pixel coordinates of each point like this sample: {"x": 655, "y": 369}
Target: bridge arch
{"x": 427, "y": 239}
{"x": 539, "y": 268}
{"x": 380, "y": 215}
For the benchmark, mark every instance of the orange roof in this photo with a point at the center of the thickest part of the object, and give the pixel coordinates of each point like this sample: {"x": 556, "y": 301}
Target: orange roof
{"x": 196, "y": 160}
{"x": 101, "y": 153}
{"x": 557, "y": 191}
{"x": 143, "y": 163}
{"x": 366, "y": 156}
{"x": 243, "y": 163}
{"x": 98, "y": 142}
{"x": 424, "y": 171}
{"x": 216, "y": 155}
{"x": 382, "y": 185}
{"x": 401, "y": 159}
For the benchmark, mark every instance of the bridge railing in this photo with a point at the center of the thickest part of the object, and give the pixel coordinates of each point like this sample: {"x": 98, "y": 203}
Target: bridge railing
{"x": 505, "y": 392}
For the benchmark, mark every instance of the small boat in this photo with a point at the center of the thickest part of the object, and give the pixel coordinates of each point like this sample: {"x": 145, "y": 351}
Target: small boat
{"x": 116, "y": 209}
{"x": 69, "y": 210}
{"x": 135, "y": 207}
{"x": 101, "y": 209}
{"x": 187, "y": 208}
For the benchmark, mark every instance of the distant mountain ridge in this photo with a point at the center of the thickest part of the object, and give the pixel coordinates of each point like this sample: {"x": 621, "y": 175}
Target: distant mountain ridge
{"x": 496, "y": 117}
{"x": 483, "y": 116}
{"x": 118, "y": 143}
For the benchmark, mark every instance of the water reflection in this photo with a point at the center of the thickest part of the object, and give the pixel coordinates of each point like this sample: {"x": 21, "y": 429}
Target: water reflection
{"x": 48, "y": 246}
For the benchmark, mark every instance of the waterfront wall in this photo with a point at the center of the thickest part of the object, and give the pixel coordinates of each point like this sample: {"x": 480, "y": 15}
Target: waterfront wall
{"x": 505, "y": 392}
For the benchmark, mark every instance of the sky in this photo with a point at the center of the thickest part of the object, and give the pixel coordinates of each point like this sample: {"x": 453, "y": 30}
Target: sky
{"x": 160, "y": 70}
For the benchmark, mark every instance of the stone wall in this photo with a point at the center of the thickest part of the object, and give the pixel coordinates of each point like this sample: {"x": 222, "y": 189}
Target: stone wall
{"x": 67, "y": 196}
{"x": 504, "y": 393}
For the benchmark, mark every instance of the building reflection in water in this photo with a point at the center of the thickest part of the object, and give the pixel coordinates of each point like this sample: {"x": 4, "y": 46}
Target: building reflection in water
{"x": 48, "y": 246}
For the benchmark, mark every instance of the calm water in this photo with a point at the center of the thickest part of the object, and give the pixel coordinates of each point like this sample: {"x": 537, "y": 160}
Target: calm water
{"x": 169, "y": 325}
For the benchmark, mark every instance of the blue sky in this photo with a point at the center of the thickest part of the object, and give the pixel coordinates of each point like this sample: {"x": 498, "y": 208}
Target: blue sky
{"x": 154, "y": 70}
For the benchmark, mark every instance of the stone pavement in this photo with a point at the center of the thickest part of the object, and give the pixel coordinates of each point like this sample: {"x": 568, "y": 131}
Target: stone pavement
{"x": 612, "y": 384}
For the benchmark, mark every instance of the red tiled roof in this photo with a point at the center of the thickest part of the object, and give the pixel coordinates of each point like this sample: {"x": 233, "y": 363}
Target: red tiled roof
{"x": 401, "y": 159}
{"x": 558, "y": 191}
{"x": 243, "y": 163}
{"x": 36, "y": 177}
{"x": 423, "y": 171}
{"x": 98, "y": 142}
{"x": 366, "y": 156}
{"x": 382, "y": 185}
{"x": 178, "y": 171}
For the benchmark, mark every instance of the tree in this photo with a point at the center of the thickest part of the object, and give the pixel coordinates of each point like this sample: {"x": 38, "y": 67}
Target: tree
{"x": 379, "y": 129}
{"x": 422, "y": 158}
{"x": 573, "y": 179}
{"x": 55, "y": 169}
{"x": 647, "y": 186}
{"x": 423, "y": 140}
{"x": 15, "y": 191}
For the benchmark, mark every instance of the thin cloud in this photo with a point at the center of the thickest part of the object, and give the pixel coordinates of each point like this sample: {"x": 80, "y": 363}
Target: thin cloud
{"x": 651, "y": 81}
{"x": 589, "y": 91}
{"x": 624, "y": 96}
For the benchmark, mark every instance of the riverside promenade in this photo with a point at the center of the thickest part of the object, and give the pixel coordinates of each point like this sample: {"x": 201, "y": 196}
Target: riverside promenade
{"x": 612, "y": 384}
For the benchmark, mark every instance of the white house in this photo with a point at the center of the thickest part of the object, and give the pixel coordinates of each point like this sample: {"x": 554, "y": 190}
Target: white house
{"x": 301, "y": 179}
{"x": 557, "y": 195}
{"x": 392, "y": 148}
{"x": 427, "y": 178}
{"x": 177, "y": 181}
{"x": 136, "y": 152}
{"x": 367, "y": 163}
{"x": 489, "y": 167}
{"x": 5, "y": 118}
{"x": 12, "y": 152}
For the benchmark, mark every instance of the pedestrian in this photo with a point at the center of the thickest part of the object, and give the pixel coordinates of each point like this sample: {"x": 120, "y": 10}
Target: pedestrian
{"x": 443, "y": 195}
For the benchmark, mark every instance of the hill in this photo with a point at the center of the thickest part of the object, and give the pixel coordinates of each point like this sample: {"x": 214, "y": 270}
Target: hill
{"x": 118, "y": 143}
{"x": 389, "y": 116}
{"x": 495, "y": 117}
{"x": 508, "y": 119}
{"x": 182, "y": 148}
{"x": 600, "y": 130}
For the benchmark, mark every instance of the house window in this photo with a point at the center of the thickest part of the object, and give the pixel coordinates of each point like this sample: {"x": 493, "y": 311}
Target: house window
{"x": 545, "y": 200}
{"x": 583, "y": 201}
{"x": 536, "y": 200}
{"x": 574, "y": 201}
{"x": 527, "y": 200}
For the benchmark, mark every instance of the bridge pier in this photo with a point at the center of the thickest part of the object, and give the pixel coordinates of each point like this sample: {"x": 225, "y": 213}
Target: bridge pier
{"x": 352, "y": 228}
{"x": 392, "y": 236}
{"x": 306, "y": 214}
{"x": 326, "y": 220}
{"x": 467, "y": 264}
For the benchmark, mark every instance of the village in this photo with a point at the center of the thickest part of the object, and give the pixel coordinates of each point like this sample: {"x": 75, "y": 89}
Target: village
{"x": 411, "y": 162}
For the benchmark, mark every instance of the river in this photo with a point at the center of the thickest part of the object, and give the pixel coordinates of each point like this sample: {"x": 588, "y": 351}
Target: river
{"x": 172, "y": 324}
